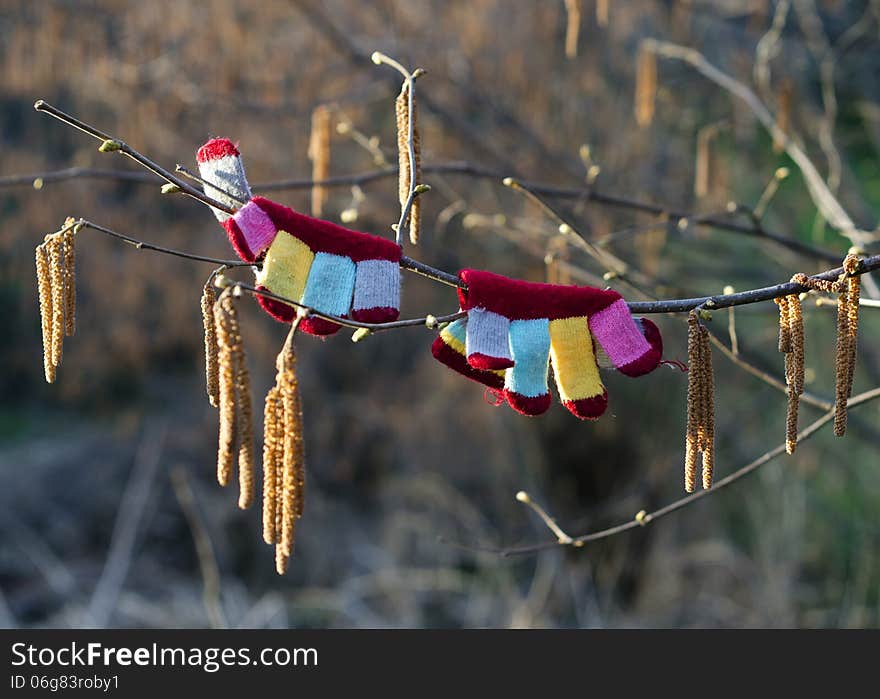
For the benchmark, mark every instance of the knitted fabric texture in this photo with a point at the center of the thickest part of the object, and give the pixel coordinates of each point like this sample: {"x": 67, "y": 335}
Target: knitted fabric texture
{"x": 220, "y": 165}
{"x": 328, "y": 268}
{"x": 514, "y": 329}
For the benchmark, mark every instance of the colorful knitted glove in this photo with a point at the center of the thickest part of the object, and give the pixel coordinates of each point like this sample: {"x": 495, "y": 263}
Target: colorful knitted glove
{"x": 514, "y": 328}
{"x": 326, "y": 267}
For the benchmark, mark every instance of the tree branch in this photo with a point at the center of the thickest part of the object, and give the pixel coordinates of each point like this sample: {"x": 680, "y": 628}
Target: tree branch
{"x": 822, "y": 196}
{"x": 644, "y": 518}
{"x": 466, "y": 169}
{"x": 768, "y": 293}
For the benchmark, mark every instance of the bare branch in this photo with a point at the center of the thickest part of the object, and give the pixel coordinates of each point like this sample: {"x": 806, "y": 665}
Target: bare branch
{"x": 644, "y": 518}
{"x": 109, "y": 144}
{"x": 768, "y": 293}
{"x": 822, "y": 196}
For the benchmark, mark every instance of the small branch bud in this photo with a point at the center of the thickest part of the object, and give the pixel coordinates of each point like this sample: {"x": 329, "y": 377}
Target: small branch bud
{"x": 360, "y": 334}
{"x": 110, "y": 145}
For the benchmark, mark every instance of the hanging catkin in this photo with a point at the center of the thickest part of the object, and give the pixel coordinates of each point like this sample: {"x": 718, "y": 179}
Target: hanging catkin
{"x": 646, "y": 86}
{"x": 234, "y": 393}
{"x": 224, "y": 309}
{"x": 319, "y": 154}
{"x": 784, "y": 332}
{"x": 700, "y": 436}
{"x": 783, "y": 115}
{"x": 693, "y": 404}
{"x": 847, "y": 339}
{"x": 854, "y": 286}
{"x": 56, "y": 277}
{"x": 212, "y": 385}
{"x": 708, "y": 383}
{"x": 245, "y": 431}
{"x": 791, "y": 343}
{"x": 56, "y": 284}
{"x": 602, "y": 13}
{"x": 848, "y": 288}
{"x": 44, "y": 287}
{"x": 405, "y": 182}
{"x": 68, "y": 239}
{"x": 293, "y": 462}
{"x": 703, "y": 164}
{"x": 572, "y": 27}
{"x": 283, "y": 457}
{"x": 273, "y": 433}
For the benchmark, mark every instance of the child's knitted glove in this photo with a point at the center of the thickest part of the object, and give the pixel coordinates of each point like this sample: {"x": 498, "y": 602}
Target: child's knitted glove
{"x": 514, "y": 328}
{"x": 326, "y": 267}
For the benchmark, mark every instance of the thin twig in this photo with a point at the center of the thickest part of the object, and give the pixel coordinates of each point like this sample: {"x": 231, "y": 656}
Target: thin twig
{"x": 645, "y": 518}
{"x": 868, "y": 264}
{"x": 822, "y": 196}
{"x": 114, "y": 144}
{"x": 469, "y": 170}
{"x": 348, "y": 322}
{"x": 409, "y": 84}
{"x": 141, "y": 245}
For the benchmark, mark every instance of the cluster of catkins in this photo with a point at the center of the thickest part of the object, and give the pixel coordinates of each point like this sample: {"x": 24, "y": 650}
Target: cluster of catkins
{"x": 791, "y": 342}
{"x": 700, "y": 434}
{"x": 56, "y": 284}
{"x": 229, "y": 390}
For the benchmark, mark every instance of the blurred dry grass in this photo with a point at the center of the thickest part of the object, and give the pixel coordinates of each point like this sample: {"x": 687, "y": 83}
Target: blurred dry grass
{"x": 399, "y": 450}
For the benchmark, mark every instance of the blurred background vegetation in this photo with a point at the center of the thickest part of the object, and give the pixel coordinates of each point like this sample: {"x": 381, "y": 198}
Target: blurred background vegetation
{"x": 110, "y": 515}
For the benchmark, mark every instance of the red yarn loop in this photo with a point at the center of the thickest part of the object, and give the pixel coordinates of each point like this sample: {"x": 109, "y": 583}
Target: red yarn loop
{"x": 493, "y": 397}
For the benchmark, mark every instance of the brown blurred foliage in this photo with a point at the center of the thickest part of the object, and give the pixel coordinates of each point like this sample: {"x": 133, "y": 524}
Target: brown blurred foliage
{"x": 399, "y": 450}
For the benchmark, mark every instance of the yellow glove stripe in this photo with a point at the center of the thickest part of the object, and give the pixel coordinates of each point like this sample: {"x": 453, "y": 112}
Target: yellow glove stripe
{"x": 574, "y": 363}
{"x": 286, "y": 267}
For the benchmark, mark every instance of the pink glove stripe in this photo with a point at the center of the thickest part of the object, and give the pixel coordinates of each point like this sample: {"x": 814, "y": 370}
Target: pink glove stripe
{"x": 615, "y": 329}
{"x": 256, "y": 227}
{"x": 237, "y": 240}
{"x": 519, "y": 300}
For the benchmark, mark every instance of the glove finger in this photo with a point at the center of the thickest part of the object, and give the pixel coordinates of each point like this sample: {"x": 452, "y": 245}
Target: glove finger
{"x": 220, "y": 164}
{"x": 623, "y": 340}
{"x": 487, "y": 343}
{"x": 575, "y": 369}
{"x": 285, "y": 271}
{"x": 376, "y": 291}
{"x": 525, "y": 384}
{"x": 329, "y": 289}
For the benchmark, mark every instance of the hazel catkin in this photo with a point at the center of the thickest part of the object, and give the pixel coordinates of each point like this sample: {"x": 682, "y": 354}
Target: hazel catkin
{"x": 700, "y": 434}
{"x": 212, "y": 378}
{"x": 44, "y": 288}
{"x": 405, "y": 179}
{"x": 319, "y": 154}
